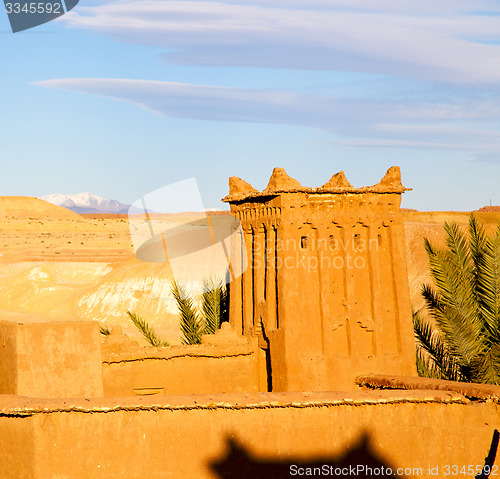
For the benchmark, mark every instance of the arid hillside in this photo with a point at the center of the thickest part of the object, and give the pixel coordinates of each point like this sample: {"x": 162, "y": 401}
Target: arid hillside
{"x": 57, "y": 265}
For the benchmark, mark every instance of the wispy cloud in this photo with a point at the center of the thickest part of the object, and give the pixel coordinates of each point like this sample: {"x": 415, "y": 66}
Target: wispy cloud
{"x": 356, "y": 122}
{"x": 450, "y": 47}
{"x": 441, "y": 41}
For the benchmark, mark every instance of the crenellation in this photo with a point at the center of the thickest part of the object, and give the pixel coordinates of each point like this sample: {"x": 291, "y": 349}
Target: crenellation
{"x": 325, "y": 281}
{"x": 282, "y": 184}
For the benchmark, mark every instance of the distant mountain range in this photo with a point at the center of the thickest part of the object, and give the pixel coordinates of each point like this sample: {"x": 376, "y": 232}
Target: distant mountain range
{"x": 87, "y": 203}
{"x": 84, "y": 203}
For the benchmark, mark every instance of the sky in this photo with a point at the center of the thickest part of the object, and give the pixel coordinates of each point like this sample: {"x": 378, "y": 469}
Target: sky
{"x": 124, "y": 97}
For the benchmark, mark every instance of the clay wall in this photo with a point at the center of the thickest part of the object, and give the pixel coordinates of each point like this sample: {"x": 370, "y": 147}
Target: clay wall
{"x": 223, "y": 363}
{"x": 326, "y": 295}
{"x": 60, "y": 359}
{"x": 180, "y": 370}
{"x": 243, "y": 436}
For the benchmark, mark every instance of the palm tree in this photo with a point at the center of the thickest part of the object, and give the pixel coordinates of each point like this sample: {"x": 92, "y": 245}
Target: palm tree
{"x": 464, "y": 345}
{"x": 193, "y": 322}
{"x": 214, "y": 309}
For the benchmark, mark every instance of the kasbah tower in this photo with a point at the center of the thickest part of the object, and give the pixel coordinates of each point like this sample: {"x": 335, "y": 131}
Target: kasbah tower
{"x": 325, "y": 296}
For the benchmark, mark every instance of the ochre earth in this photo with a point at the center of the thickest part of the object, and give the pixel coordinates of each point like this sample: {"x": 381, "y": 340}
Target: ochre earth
{"x": 56, "y": 265}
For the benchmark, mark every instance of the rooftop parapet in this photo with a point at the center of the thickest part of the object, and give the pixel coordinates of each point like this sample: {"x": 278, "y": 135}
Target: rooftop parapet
{"x": 280, "y": 182}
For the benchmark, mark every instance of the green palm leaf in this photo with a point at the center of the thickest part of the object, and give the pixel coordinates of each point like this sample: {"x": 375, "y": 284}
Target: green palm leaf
{"x": 452, "y": 304}
{"x": 147, "y": 331}
{"x": 191, "y": 326}
{"x": 488, "y": 286}
{"x": 211, "y": 304}
{"x": 433, "y": 358}
{"x": 465, "y": 306}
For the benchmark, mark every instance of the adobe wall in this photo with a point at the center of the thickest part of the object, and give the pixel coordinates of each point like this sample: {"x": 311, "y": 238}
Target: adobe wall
{"x": 180, "y": 370}
{"x": 325, "y": 297}
{"x": 223, "y": 364}
{"x": 242, "y": 436}
{"x": 59, "y": 359}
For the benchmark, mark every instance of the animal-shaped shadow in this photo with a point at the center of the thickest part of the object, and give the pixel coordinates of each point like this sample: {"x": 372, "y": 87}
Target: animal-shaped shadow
{"x": 240, "y": 463}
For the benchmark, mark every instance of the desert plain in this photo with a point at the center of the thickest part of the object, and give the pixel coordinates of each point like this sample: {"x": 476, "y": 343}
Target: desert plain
{"x": 57, "y": 265}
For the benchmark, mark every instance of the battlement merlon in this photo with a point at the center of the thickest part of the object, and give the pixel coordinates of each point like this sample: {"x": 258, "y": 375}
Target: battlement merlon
{"x": 280, "y": 182}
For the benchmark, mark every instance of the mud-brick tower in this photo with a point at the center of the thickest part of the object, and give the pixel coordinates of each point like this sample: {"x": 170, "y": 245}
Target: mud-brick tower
{"x": 325, "y": 296}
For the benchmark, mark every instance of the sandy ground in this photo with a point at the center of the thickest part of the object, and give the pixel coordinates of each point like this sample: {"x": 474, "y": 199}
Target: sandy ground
{"x": 56, "y": 265}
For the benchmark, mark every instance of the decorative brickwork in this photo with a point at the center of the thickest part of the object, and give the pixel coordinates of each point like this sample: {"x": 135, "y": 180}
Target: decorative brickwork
{"x": 325, "y": 297}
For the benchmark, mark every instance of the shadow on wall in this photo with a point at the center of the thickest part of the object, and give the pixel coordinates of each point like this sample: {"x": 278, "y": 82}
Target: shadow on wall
{"x": 240, "y": 463}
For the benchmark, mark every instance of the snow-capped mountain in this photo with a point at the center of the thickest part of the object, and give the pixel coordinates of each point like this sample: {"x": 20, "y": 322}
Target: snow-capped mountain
{"x": 87, "y": 203}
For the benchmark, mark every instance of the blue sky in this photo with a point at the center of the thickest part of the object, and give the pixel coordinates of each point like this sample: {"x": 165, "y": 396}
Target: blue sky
{"x": 121, "y": 98}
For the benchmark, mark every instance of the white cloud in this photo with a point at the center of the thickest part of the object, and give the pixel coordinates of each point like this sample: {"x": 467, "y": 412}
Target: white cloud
{"x": 440, "y": 41}
{"x": 356, "y": 122}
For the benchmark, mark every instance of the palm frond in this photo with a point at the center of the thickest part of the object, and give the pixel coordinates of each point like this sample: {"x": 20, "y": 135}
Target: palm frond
{"x": 433, "y": 357}
{"x": 190, "y": 324}
{"x": 453, "y": 303}
{"x": 104, "y": 330}
{"x": 465, "y": 305}
{"x": 487, "y": 367}
{"x": 458, "y": 250}
{"x": 211, "y": 304}
{"x": 459, "y": 333}
{"x": 425, "y": 367}
{"x": 146, "y": 330}
{"x": 477, "y": 239}
{"x": 488, "y": 286}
